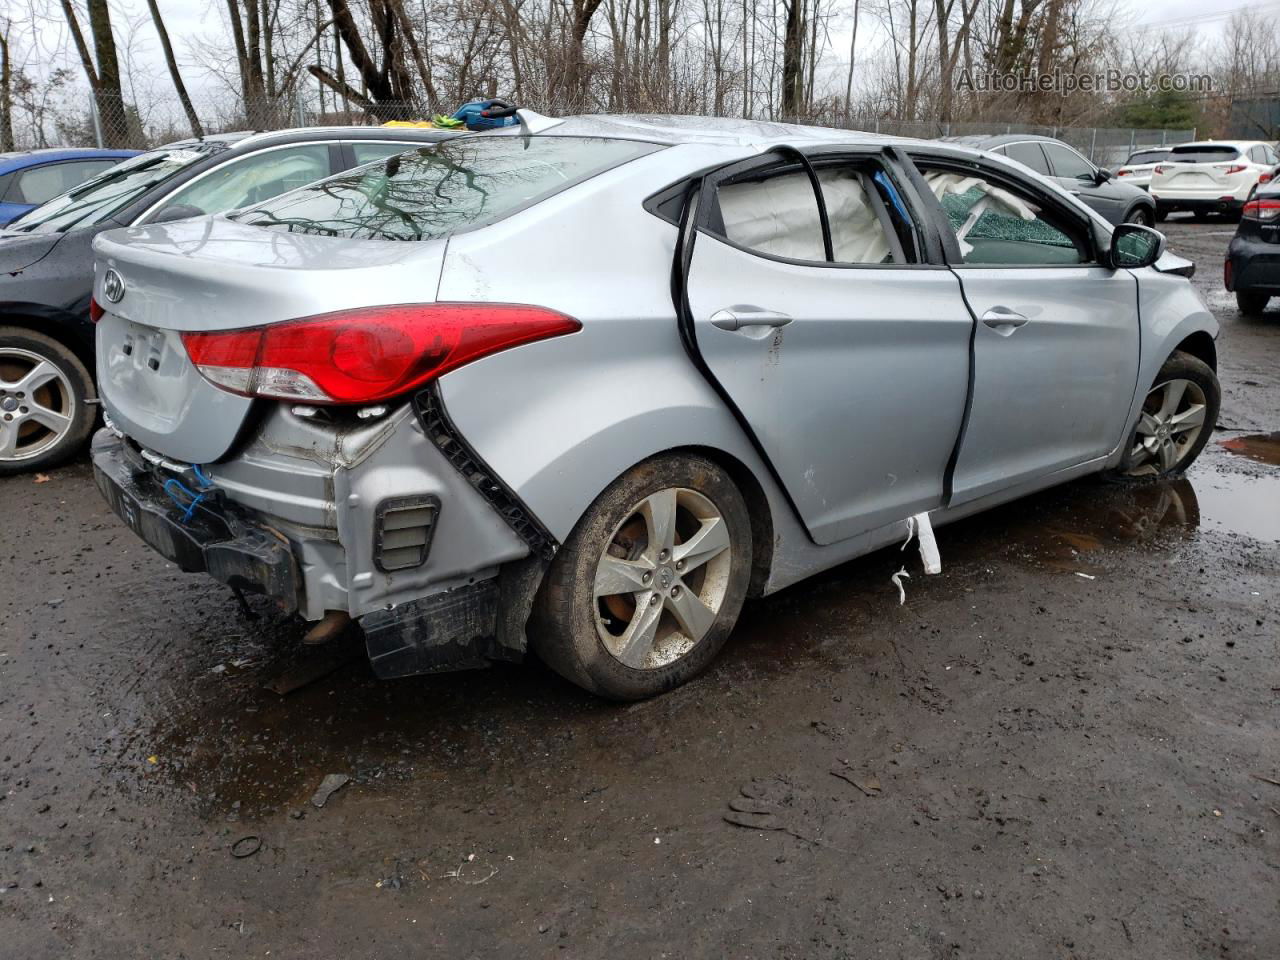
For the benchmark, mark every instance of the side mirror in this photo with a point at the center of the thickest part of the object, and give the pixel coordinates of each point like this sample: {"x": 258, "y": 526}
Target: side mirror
{"x": 177, "y": 211}
{"x": 1134, "y": 246}
{"x": 1102, "y": 176}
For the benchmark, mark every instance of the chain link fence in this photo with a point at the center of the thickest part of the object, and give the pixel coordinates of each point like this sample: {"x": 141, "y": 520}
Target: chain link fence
{"x": 100, "y": 121}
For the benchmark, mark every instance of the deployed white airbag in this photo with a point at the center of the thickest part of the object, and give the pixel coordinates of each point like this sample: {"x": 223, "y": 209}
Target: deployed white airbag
{"x": 780, "y": 217}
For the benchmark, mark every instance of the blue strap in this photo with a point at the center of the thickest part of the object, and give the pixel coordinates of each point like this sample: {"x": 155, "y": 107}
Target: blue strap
{"x": 188, "y": 509}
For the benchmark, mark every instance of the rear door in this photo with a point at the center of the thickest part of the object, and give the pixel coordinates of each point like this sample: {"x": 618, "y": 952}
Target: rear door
{"x": 850, "y": 369}
{"x": 1056, "y": 344}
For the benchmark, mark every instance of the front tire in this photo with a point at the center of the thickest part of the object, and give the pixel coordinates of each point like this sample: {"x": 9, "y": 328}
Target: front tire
{"x": 645, "y": 590}
{"x": 1141, "y": 216}
{"x": 1177, "y": 418}
{"x": 1250, "y": 303}
{"x": 44, "y": 414}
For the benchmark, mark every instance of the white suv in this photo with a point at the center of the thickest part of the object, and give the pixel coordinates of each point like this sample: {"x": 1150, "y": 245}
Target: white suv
{"x": 1211, "y": 177}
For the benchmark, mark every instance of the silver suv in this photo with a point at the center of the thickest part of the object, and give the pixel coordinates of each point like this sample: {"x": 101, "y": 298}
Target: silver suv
{"x": 598, "y": 383}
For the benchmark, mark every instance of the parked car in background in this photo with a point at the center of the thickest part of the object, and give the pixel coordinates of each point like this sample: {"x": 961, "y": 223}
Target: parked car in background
{"x": 1137, "y": 169}
{"x": 1210, "y": 177}
{"x": 1252, "y": 267}
{"x": 46, "y": 259}
{"x": 527, "y": 379}
{"x": 1117, "y": 201}
{"x": 30, "y": 177}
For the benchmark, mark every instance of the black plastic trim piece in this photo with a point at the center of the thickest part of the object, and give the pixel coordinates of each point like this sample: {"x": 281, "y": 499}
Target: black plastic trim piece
{"x": 445, "y": 436}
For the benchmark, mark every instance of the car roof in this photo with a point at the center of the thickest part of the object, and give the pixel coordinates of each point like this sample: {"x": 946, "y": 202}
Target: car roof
{"x": 672, "y": 129}
{"x": 307, "y": 134}
{"x": 987, "y": 141}
{"x": 21, "y": 159}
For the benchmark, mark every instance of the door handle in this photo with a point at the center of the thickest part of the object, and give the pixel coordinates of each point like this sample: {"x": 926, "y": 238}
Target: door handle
{"x": 1003, "y": 317}
{"x": 740, "y": 317}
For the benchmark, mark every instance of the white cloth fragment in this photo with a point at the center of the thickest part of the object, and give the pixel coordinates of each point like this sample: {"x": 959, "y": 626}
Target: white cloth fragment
{"x": 897, "y": 579}
{"x": 920, "y": 527}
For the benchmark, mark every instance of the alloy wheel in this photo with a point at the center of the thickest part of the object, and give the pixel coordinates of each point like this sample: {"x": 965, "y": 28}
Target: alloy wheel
{"x": 1172, "y": 419}
{"x": 37, "y": 404}
{"x": 662, "y": 578}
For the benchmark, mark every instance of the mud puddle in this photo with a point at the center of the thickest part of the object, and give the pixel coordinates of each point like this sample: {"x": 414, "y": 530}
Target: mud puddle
{"x": 1262, "y": 447}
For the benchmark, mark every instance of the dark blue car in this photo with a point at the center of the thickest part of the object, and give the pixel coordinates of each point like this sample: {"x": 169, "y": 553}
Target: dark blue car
{"x": 30, "y": 177}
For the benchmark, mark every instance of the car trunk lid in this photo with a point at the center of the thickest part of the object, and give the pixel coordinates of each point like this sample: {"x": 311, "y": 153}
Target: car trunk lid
{"x": 1202, "y": 167}
{"x": 215, "y": 274}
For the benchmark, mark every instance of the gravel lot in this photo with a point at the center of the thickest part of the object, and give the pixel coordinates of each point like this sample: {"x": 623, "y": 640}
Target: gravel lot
{"x": 1020, "y": 762}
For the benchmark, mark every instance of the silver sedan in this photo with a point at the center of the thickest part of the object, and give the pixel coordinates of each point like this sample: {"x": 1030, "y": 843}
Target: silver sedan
{"x": 585, "y": 385}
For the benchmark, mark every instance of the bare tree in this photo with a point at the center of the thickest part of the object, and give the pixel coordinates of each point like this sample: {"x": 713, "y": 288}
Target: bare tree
{"x": 104, "y": 73}
{"x": 6, "y": 88}
{"x": 174, "y": 73}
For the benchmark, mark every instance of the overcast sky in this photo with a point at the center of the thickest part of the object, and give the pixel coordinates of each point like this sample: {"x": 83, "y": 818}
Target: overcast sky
{"x": 191, "y": 19}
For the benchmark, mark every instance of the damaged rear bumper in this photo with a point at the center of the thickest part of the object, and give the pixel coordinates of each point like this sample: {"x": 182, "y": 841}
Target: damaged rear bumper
{"x": 307, "y": 532}
{"x": 214, "y": 538}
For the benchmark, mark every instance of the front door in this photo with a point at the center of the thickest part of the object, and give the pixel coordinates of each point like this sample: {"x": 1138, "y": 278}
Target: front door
{"x": 852, "y": 370}
{"x": 1056, "y": 344}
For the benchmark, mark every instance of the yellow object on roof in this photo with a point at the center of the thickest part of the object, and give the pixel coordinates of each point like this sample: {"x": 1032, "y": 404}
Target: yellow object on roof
{"x": 425, "y": 124}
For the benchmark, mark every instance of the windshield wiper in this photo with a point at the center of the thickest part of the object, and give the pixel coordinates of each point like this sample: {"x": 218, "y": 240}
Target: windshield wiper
{"x": 113, "y": 175}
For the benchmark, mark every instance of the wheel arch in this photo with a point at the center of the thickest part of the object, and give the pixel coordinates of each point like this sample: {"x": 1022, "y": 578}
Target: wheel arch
{"x": 1143, "y": 203}
{"x": 1201, "y": 346}
{"x": 65, "y": 328}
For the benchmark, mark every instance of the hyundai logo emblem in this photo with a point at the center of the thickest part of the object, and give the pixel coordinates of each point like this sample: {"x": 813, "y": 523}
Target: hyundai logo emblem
{"x": 113, "y": 286}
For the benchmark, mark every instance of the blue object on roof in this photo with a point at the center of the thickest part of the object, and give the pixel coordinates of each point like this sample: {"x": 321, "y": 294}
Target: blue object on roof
{"x": 486, "y": 114}
{"x": 30, "y": 177}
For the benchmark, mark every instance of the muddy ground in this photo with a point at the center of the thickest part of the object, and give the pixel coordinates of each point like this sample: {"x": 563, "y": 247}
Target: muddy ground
{"x": 1022, "y": 761}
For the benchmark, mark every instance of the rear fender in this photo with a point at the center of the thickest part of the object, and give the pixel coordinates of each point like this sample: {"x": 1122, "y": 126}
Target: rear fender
{"x": 559, "y": 421}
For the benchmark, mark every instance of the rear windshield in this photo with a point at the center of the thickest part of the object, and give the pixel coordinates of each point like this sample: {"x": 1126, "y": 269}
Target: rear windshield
{"x": 1203, "y": 154}
{"x": 95, "y": 200}
{"x": 437, "y": 190}
{"x": 1147, "y": 156}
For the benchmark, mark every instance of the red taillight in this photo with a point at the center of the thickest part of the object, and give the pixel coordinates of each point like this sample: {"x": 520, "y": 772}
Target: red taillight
{"x": 1161, "y": 170}
{"x": 1261, "y": 209}
{"x": 1123, "y": 172}
{"x": 1226, "y": 274}
{"x": 368, "y": 354}
{"x": 1234, "y": 168}
{"x": 95, "y": 310}
{"x": 1264, "y": 178}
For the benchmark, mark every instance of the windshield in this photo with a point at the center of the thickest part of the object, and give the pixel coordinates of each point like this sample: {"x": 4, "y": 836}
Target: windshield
{"x": 95, "y": 200}
{"x": 1203, "y": 154}
{"x": 1147, "y": 156}
{"x": 436, "y": 190}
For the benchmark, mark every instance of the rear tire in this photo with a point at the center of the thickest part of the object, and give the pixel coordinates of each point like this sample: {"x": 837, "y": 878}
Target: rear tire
{"x": 44, "y": 416}
{"x": 645, "y": 590}
{"x": 1250, "y": 303}
{"x": 1177, "y": 418}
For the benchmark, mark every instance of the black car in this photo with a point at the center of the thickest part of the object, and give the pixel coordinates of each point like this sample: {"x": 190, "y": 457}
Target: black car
{"x": 1117, "y": 201}
{"x": 47, "y": 394}
{"x": 1252, "y": 269}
